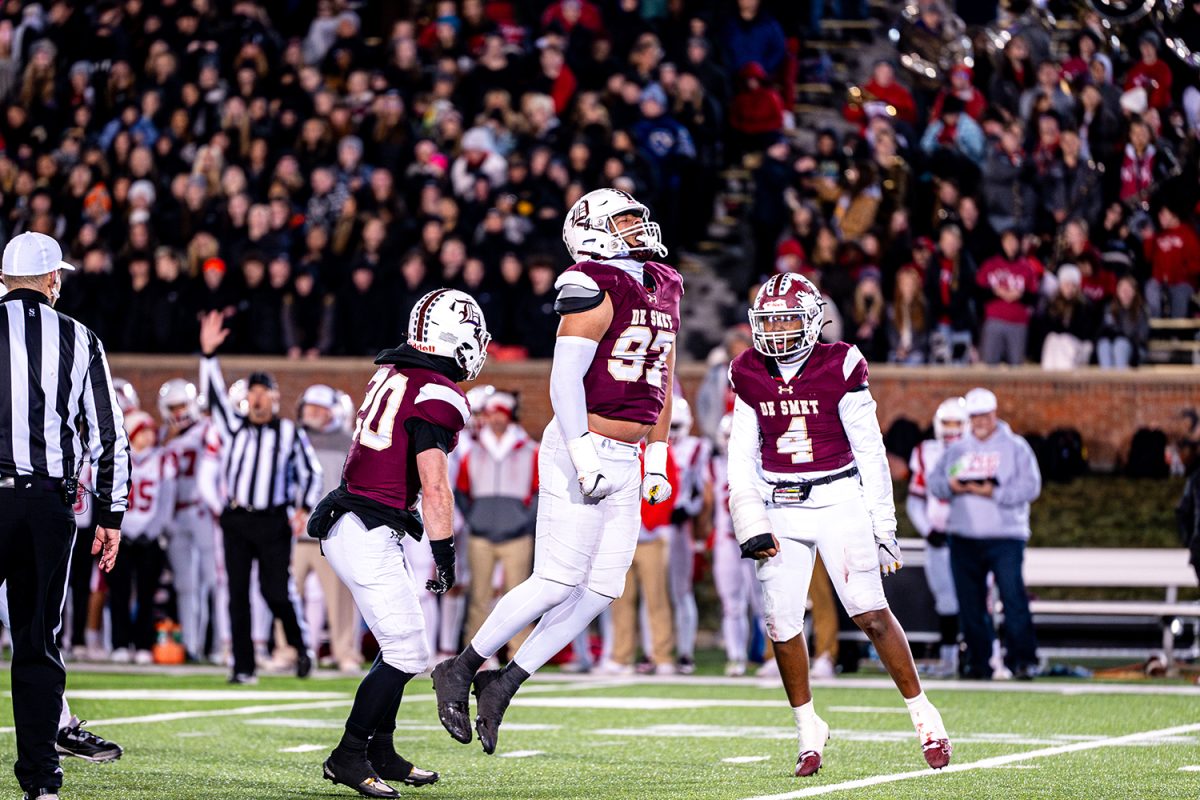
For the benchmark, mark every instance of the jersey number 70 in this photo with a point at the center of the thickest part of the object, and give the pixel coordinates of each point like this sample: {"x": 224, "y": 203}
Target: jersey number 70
{"x": 377, "y": 414}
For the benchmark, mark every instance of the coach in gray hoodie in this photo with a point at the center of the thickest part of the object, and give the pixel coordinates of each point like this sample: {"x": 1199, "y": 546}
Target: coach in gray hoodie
{"x": 990, "y": 477}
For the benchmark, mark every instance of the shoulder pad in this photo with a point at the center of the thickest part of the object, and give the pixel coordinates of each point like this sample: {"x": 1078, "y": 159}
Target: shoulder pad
{"x": 854, "y": 369}
{"x": 443, "y": 405}
{"x": 577, "y": 291}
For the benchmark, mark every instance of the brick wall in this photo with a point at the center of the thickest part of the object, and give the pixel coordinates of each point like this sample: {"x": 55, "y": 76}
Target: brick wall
{"x": 1106, "y": 408}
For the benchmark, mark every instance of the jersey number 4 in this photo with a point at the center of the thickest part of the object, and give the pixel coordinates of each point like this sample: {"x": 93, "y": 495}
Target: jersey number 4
{"x": 631, "y": 355}
{"x": 795, "y": 442}
{"x": 374, "y": 427}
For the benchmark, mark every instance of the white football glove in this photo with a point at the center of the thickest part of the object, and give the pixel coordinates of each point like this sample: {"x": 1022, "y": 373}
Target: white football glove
{"x": 890, "y": 560}
{"x": 655, "y": 486}
{"x": 592, "y": 481}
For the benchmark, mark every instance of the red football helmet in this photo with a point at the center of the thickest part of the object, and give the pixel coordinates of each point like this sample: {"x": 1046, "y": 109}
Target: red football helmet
{"x": 787, "y": 317}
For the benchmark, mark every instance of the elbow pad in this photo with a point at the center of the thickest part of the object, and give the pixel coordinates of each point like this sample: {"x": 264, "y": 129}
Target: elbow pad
{"x": 749, "y": 515}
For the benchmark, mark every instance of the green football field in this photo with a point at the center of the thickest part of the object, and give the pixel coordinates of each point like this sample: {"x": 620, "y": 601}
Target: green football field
{"x": 190, "y": 736}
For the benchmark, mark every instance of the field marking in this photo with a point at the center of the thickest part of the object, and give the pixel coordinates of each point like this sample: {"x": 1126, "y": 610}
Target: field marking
{"x": 304, "y": 748}
{"x": 174, "y": 716}
{"x": 985, "y": 763}
{"x": 522, "y": 753}
{"x": 867, "y": 710}
{"x": 745, "y": 759}
{"x": 639, "y": 703}
{"x": 198, "y": 695}
{"x": 1190, "y": 768}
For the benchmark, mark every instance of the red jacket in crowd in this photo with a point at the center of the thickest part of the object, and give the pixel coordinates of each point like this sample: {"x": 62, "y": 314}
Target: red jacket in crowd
{"x": 757, "y": 108}
{"x": 1174, "y": 255}
{"x": 1155, "y": 79}
{"x": 894, "y": 95}
{"x": 998, "y": 274}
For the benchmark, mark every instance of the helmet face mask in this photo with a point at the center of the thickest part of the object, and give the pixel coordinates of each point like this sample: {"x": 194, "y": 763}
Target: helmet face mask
{"x": 787, "y": 317}
{"x": 950, "y": 420}
{"x": 591, "y": 228}
{"x": 178, "y": 403}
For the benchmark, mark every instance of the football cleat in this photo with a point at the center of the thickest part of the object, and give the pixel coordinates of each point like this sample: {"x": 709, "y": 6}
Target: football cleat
{"x": 453, "y": 699}
{"x": 686, "y": 665}
{"x": 41, "y": 794}
{"x": 808, "y": 762}
{"x": 73, "y": 740}
{"x": 937, "y": 752}
{"x": 304, "y": 665}
{"x": 493, "y": 691}
{"x": 243, "y": 679}
{"x": 355, "y": 771}
{"x": 391, "y": 766}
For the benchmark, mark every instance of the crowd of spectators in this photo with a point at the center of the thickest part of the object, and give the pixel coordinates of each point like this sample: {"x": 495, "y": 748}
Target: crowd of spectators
{"x": 313, "y": 171}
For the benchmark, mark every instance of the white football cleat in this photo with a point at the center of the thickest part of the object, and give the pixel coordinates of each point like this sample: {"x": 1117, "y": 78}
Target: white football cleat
{"x": 822, "y": 667}
{"x": 121, "y": 656}
{"x": 610, "y": 667}
{"x": 735, "y": 669}
{"x": 769, "y": 669}
{"x": 812, "y": 745}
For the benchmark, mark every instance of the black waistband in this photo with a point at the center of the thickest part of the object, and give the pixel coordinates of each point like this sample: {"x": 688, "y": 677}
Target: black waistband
{"x": 837, "y": 476}
{"x": 25, "y": 482}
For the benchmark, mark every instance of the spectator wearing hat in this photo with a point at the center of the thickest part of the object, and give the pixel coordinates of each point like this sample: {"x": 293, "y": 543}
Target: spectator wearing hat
{"x": 1150, "y": 72}
{"x": 990, "y": 477}
{"x": 479, "y": 158}
{"x": 665, "y": 143}
{"x": 757, "y": 110}
{"x": 1068, "y": 323}
{"x": 962, "y": 87}
{"x": 1174, "y": 255}
{"x": 498, "y": 483}
{"x": 1009, "y": 281}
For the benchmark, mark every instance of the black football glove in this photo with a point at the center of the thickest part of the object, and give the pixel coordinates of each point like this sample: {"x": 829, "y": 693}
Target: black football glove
{"x": 937, "y": 539}
{"x": 443, "y": 560}
{"x": 764, "y": 541}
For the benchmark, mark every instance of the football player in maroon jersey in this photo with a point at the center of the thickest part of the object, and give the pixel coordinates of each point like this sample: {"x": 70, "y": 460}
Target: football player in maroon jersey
{"x": 610, "y": 388}
{"x": 808, "y": 472}
{"x": 407, "y": 424}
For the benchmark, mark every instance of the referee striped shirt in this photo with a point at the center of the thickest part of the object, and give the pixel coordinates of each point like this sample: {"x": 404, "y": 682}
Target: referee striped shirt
{"x": 264, "y": 467}
{"x": 57, "y": 405}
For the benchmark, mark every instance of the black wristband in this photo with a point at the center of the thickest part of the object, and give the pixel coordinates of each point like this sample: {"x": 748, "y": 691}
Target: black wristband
{"x": 443, "y": 552}
{"x": 764, "y": 541}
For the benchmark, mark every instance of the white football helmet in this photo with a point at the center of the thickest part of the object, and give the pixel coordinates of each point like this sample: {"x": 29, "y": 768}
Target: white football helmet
{"x": 137, "y": 421}
{"x": 954, "y": 411}
{"x": 681, "y": 418}
{"x": 174, "y": 393}
{"x": 792, "y": 307}
{"x": 127, "y": 396}
{"x": 335, "y": 401}
{"x": 589, "y": 230}
{"x": 449, "y": 323}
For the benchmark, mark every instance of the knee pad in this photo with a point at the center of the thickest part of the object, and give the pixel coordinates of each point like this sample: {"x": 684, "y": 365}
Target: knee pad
{"x": 783, "y": 615}
{"x": 407, "y": 651}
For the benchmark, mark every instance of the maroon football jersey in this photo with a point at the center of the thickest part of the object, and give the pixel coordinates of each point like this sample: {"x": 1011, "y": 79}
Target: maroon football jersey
{"x": 627, "y": 378}
{"x": 382, "y": 464}
{"x": 798, "y": 419}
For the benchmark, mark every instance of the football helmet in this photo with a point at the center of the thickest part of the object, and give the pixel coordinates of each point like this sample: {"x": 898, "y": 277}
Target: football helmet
{"x": 590, "y": 232}
{"x": 681, "y": 418}
{"x": 787, "y": 317}
{"x": 954, "y": 411}
{"x": 450, "y": 324}
{"x": 173, "y": 394}
{"x": 335, "y": 401}
{"x": 137, "y": 421}
{"x": 127, "y": 396}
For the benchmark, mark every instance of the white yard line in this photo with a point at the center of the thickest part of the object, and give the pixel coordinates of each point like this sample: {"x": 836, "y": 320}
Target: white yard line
{"x": 173, "y": 716}
{"x": 523, "y": 754}
{"x": 1190, "y": 768}
{"x": 744, "y": 759}
{"x": 304, "y": 748}
{"x": 867, "y": 710}
{"x": 985, "y": 763}
{"x": 198, "y": 695}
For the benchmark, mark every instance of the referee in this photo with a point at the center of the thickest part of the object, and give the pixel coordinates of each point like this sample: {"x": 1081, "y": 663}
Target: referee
{"x": 267, "y": 465}
{"x": 56, "y": 406}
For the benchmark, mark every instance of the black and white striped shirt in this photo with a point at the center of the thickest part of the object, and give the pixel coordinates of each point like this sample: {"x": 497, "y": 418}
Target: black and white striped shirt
{"x": 264, "y": 467}
{"x": 57, "y": 404}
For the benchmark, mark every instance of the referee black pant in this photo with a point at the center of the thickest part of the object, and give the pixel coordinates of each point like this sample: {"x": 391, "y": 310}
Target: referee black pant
{"x": 266, "y": 537}
{"x": 37, "y": 529}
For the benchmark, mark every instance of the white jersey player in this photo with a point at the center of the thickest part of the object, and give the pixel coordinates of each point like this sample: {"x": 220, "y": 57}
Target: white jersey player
{"x": 929, "y": 515}
{"x": 808, "y": 472}
{"x": 736, "y": 583}
{"x": 610, "y": 387}
{"x": 692, "y": 455}
{"x": 191, "y": 532}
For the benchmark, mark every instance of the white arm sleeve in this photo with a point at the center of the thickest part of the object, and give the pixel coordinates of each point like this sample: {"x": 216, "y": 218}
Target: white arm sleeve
{"x": 572, "y": 357}
{"x": 857, "y": 410}
{"x": 746, "y": 504}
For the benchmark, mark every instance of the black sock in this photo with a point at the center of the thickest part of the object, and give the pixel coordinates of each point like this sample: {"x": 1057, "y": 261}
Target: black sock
{"x": 469, "y": 661}
{"x": 948, "y": 625}
{"x": 378, "y": 696}
{"x": 514, "y": 674}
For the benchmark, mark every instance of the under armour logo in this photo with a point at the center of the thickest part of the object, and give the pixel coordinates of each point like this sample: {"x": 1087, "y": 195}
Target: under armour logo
{"x": 785, "y": 389}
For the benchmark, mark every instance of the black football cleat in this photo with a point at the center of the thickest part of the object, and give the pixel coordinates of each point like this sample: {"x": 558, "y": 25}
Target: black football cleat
{"x": 41, "y": 794}
{"x": 453, "y": 699}
{"x": 494, "y": 690}
{"x": 304, "y": 665}
{"x": 73, "y": 740}
{"x": 355, "y": 771}
{"x": 393, "y": 767}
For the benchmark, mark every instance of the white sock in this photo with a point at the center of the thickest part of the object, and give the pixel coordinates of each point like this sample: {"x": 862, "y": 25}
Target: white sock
{"x": 65, "y": 717}
{"x": 918, "y": 704}
{"x": 805, "y": 715}
{"x": 559, "y": 628}
{"x": 525, "y": 603}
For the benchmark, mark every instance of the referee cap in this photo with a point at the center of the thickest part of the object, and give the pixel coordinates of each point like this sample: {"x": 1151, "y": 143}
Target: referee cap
{"x": 33, "y": 254}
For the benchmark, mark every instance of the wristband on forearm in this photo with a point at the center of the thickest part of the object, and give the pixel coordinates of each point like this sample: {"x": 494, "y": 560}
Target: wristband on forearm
{"x": 443, "y": 552}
